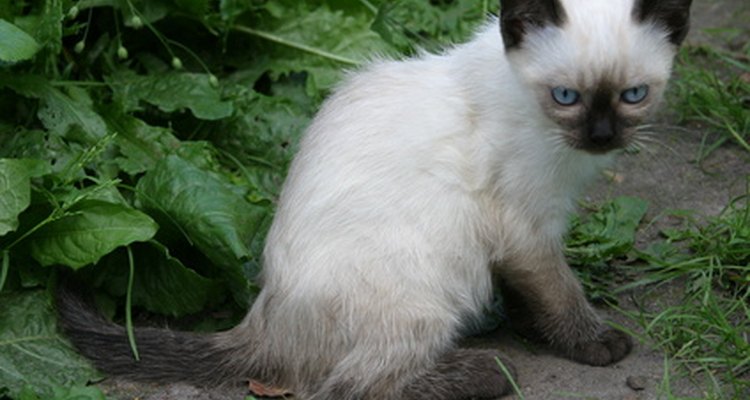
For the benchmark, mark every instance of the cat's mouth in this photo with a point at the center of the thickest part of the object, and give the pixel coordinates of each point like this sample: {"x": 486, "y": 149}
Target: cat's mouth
{"x": 600, "y": 148}
{"x": 598, "y": 144}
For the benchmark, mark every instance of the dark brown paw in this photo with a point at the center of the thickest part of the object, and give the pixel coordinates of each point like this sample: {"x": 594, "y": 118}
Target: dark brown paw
{"x": 465, "y": 374}
{"x": 610, "y": 347}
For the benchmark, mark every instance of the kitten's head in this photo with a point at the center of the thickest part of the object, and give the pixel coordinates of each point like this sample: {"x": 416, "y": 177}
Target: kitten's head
{"x": 597, "y": 67}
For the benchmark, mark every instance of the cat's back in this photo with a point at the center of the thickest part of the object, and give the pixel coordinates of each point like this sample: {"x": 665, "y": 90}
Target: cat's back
{"x": 392, "y": 101}
{"x": 401, "y": 115}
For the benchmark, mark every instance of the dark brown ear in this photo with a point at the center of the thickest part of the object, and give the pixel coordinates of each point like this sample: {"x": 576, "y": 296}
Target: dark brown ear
{"x": 672, "y": 15}
{"x": 518, "y": 17}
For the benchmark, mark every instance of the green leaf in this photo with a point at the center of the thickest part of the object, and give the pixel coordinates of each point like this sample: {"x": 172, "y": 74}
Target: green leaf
{"x": 78, "y": 393}
{"x": 60, "y": 112}
{"x": 27, "y": 393}
{"x": 93, "y": 229}
{"x": 141, "y": 145}
{"x": 170, "y": 91}
{"x": 15, "y": 189}
{"x": 162, "y": 283}
{"x": 44, "y": 23}
{"x": 16, "y": 45}
{"x": 607, "y": 233}
{"x": 414, "y": 24}
{"x": 209, "y": 211}
{"x": 301, "y": 34}
{"x": 32, "y": 353}
{"x": 195, "y": 7}
{"x": 263, "y": 136}
{"x": 231, "y": 9}
{"x": 63, "y": 114}
{"x": 28, "y": 85}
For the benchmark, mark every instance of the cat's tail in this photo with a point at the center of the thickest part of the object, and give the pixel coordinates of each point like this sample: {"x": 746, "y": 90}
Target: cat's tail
{"x": 164, "y": 355}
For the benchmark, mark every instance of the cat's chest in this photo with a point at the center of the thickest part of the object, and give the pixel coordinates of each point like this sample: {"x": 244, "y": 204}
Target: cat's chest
{"x": 531, "y": 199}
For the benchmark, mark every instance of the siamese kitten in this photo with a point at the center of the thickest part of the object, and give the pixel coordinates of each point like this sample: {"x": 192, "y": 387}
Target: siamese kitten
{"x": 419, "y": 183}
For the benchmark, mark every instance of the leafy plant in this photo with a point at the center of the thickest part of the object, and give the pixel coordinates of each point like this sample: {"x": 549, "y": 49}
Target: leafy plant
{"x": 603, "y": 234}
{"x": 143, "y": 145}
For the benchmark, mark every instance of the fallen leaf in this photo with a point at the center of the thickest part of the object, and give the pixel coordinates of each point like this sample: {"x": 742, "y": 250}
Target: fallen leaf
{"x": 262, "y": 390}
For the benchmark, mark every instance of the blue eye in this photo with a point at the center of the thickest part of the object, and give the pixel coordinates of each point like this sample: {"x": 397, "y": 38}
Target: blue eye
{"x": 565, "y": 96}
{"x": 634, "y": 95}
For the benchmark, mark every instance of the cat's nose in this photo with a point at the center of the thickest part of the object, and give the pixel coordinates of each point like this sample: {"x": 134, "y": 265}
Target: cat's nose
{"x": 602, "y": 132}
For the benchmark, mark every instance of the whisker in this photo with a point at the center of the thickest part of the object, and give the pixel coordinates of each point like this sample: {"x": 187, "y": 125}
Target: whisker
{"x": 557, "y": 139}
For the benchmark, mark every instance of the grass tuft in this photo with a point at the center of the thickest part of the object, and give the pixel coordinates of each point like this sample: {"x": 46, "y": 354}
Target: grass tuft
{"x": 713, "y": 89}
{"x": 707, "y": 331}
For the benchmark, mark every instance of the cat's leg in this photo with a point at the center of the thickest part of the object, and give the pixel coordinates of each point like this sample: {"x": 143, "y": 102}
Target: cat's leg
{"x": 542, "y": 296}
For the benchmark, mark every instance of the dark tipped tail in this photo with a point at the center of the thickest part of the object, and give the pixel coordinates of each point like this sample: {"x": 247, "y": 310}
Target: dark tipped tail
{"x": 165, "y": 355}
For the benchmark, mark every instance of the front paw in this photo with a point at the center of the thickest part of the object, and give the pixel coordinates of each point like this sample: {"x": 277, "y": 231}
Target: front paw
{"x": 611, "y": 346}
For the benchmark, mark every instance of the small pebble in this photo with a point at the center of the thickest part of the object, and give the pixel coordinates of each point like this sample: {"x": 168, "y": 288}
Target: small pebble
{"x": 637, "y": 382}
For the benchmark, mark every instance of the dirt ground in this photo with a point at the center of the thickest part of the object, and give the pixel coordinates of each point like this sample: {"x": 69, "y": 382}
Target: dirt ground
{"x": 665, "y": 175}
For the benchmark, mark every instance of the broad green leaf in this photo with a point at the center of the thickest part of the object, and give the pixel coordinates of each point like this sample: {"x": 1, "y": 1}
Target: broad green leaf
{"x": 6, "y": 11}
{"x": 162, "y": 283}
{"x": 170, "y": 91}
{"x": 316, "y": 27}
{"x": 77, "y": 393}
{"x": 32, "y": 352}
{"x": 415, "y": 24}
{"x": 263, "y": 136}
{"x": 70, "y": 113}
{"x": 16, "y": 45}
{"x": 210, "y": 212}
{"x": 28, "y": 85}
{"x": 60, "y": 112}
{"x": 15, "y": 189}
{"x": 91, "y": 230}
{"x": 141, "y": 145}
{"x": 44, "y": 23}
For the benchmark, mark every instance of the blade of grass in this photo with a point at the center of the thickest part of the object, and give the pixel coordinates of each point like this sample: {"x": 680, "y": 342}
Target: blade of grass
{"x": 509, "y": 376}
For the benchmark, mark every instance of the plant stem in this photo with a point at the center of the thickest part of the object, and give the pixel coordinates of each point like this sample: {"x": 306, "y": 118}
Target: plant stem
{"x": 4, "y": 270}
{"x": 78, "y": 83}
{"x": 128, "y": 308}
{"x": 53, "y": 216}
{"x": 369, "y": 6}
{"x": 299, "y": 46}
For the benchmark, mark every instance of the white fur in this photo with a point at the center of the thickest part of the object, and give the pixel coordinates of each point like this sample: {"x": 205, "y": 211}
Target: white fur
{"x": 413, "y": 179}
{"x": 602, "y": 34}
